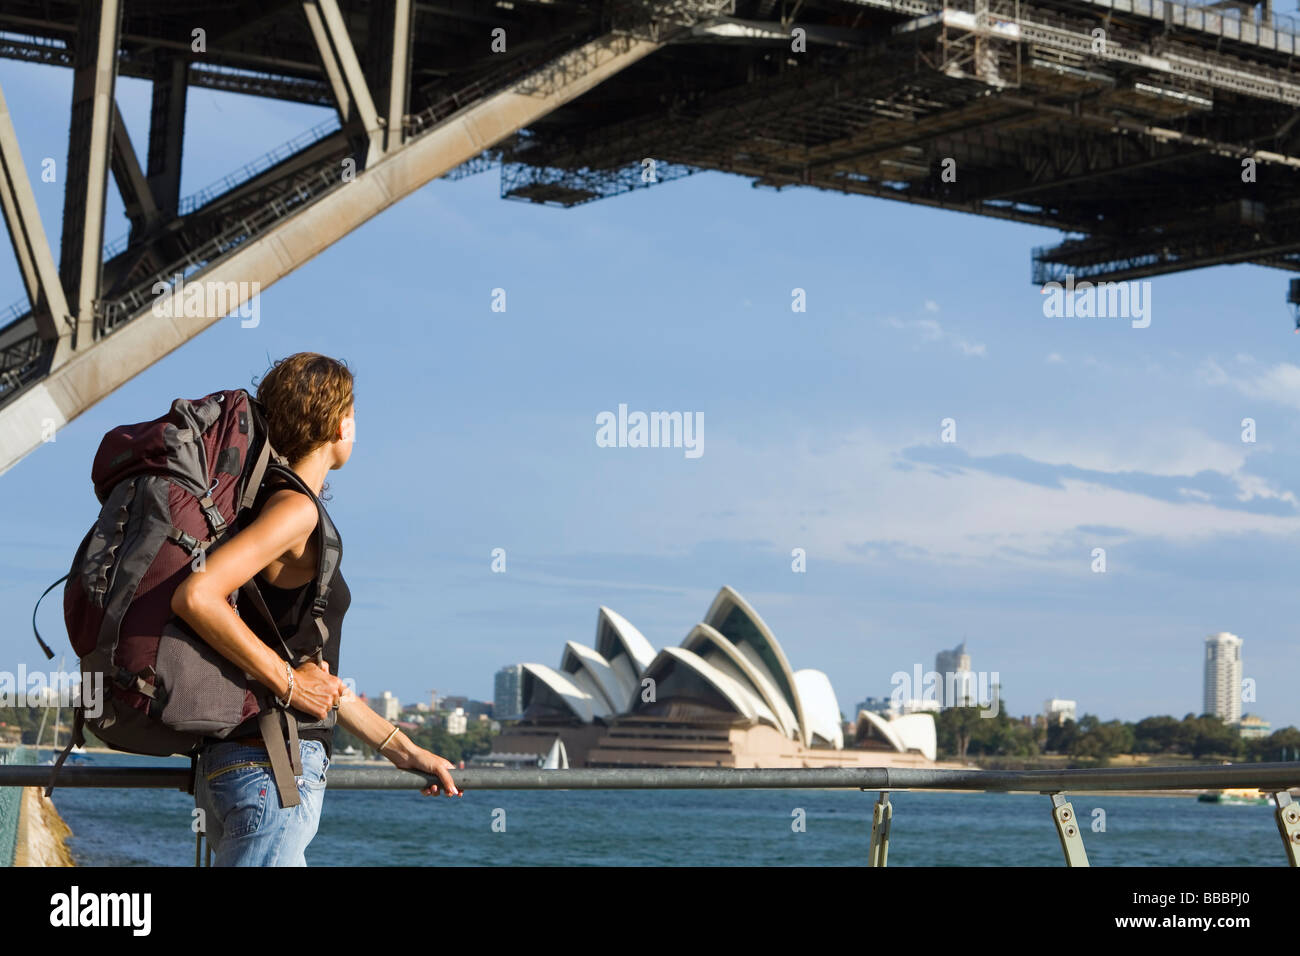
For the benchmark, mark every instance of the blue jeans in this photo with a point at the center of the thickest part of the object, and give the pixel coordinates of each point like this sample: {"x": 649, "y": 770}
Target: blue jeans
{"x": 245, "y": 824}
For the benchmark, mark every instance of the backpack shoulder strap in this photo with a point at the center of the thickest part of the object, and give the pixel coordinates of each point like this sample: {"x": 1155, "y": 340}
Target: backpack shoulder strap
{"x": 78, "y": 739}
{"x": 329, "y": 553}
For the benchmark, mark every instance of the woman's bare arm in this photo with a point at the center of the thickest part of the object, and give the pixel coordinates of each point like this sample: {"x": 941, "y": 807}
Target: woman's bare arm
{"x": 357, "y": 717}
{"x": 283, "y": 527}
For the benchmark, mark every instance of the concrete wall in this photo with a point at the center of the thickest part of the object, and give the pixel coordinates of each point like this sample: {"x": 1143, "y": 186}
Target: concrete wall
{"x": 42, "y": 834}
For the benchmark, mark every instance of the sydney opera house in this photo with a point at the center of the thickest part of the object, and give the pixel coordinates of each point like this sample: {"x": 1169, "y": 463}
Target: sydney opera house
{"x": 726, "y": 697}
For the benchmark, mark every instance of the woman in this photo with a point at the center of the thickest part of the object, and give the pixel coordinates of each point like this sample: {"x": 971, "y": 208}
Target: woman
{"x": 311, "y": 422}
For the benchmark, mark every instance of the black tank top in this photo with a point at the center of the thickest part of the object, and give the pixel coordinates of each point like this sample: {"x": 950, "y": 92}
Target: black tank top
{"x": 287, "y": 606}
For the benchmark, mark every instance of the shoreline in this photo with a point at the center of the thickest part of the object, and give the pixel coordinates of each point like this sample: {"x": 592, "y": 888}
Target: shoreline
{"x": 42, "y": 838}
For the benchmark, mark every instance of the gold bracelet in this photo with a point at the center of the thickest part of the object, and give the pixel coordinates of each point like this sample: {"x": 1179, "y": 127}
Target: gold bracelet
{"x": 381, "y": 747}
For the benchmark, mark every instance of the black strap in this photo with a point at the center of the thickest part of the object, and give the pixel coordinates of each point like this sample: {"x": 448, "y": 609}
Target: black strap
{"x": 254, "y": 594}
{"x": 259, "y": 468}
{"x": 78, "y": 739}
{"x": 49, "y": 654}
{"x": 329, "y": 553}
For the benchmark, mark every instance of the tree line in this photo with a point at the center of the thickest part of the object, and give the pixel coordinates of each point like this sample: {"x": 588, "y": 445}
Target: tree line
{"x": 962, "y": 733}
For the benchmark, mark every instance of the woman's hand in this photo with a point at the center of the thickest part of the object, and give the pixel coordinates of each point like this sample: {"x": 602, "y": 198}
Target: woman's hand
{"x": 357, "y": 718}
{"x": 315, "y": 689}
{"x": 422, "y": 761}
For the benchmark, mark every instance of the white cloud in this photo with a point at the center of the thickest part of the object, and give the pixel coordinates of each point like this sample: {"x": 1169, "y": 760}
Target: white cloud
{"x": 1163, "y": 450}
{"x": 832, "y": 494}
{"x": 931, "y": 305}
{"x": 1054, "y": 358}
{"x": 931, "y": 331}
{"x": 1279, "y": 384}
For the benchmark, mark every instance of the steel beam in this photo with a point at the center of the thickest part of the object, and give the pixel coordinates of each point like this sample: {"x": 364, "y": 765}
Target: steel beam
{"x": 388, "y": 66}
{"x": 346, "y": 69}
{"x": 329, "y": 62}
{"x": 131, "y": 182}
{"x": 1067, "y": 829}
{"x": 1288, "y": 825}
{"x": 257, "y": 264}
{"x": 167, "y": 131}
{"x": 89, "y": 145}
{"x": 399, "y": 74}
{"x": 882, "y": 817}
{"x": 32, "y": 249}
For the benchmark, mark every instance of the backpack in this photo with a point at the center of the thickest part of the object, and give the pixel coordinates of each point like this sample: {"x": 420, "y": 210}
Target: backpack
{"x": 171, "y": 490}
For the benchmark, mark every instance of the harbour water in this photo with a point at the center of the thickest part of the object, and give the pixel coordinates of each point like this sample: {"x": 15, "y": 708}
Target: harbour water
{"x": 688, "y": 828}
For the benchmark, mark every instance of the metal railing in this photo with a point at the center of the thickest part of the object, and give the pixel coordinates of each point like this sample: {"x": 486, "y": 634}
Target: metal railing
{"x": 1278, "y": 32}
{"x": 1275, "y": 778}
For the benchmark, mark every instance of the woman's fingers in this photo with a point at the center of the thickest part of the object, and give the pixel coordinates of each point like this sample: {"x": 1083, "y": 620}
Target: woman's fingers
{"x": 448, "y": 784}
{"x": 445, "y": 784}
{"x": 316, "y": 689}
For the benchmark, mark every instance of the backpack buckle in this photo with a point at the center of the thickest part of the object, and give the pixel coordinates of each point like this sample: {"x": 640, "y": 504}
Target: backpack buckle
{"x": 319, "y": 604}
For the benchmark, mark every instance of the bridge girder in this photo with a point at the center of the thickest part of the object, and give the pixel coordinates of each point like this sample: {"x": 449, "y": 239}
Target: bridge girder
{"x": 162, "y": 325}
{"x": 1041, "y": 124}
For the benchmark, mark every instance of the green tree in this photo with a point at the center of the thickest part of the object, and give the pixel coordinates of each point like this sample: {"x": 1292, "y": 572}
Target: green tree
{"x": 1155, "y": 735}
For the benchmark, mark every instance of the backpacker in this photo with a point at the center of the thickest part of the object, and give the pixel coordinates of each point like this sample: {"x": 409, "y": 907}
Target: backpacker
{"x": 171, "y": 490}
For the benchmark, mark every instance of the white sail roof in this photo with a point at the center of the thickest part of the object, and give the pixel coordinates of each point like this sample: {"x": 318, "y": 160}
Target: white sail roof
{"x": 625, "y": 650}
{"x": 548, "y": 687}
{"x": 735, "y": 695}
{"x": 909, "y": 732}
{"x": 732, "y": 616}
{"x": 820, "y": 706}
{"x": 717, "y": 650}
{"x": 593, "y": 674}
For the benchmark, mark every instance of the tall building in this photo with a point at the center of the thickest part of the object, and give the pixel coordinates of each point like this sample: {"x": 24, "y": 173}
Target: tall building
{"x": 956, "y": 682}
{"x": 386, "y": 706}
{"x": 1223, "y": 677}
{"x": 456, "y": 722}
{"x": 1059, "y": 711}
{"x": 508, "y": 693}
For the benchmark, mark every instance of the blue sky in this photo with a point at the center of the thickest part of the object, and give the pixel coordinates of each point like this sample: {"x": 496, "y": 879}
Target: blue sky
{"x": 476, "y": 430}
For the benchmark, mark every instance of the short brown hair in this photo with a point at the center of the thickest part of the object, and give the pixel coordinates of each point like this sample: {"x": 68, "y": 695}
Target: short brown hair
{"x": 306, "y": 396}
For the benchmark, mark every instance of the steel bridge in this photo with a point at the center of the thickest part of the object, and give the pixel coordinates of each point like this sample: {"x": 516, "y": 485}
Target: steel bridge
{"x": 1156, "y": 135}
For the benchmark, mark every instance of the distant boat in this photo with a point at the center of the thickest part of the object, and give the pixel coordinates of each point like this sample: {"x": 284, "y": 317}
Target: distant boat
{"x": 557, "y": 758}
{"x": 1247, "y": 796}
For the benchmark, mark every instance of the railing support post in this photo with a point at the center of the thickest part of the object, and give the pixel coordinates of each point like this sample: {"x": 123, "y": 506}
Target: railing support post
{"x": 1288, "y": 824}
{"x": 882, "y": 815}
{"x": 1067, "y": 828}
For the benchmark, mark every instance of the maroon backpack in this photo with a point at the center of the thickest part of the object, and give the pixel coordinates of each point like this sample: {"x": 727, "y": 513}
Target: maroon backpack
{"x": 171, "y": 490}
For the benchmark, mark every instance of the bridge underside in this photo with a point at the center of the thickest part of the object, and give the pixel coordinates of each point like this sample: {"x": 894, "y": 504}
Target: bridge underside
{"x": 1156, "y": 136}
